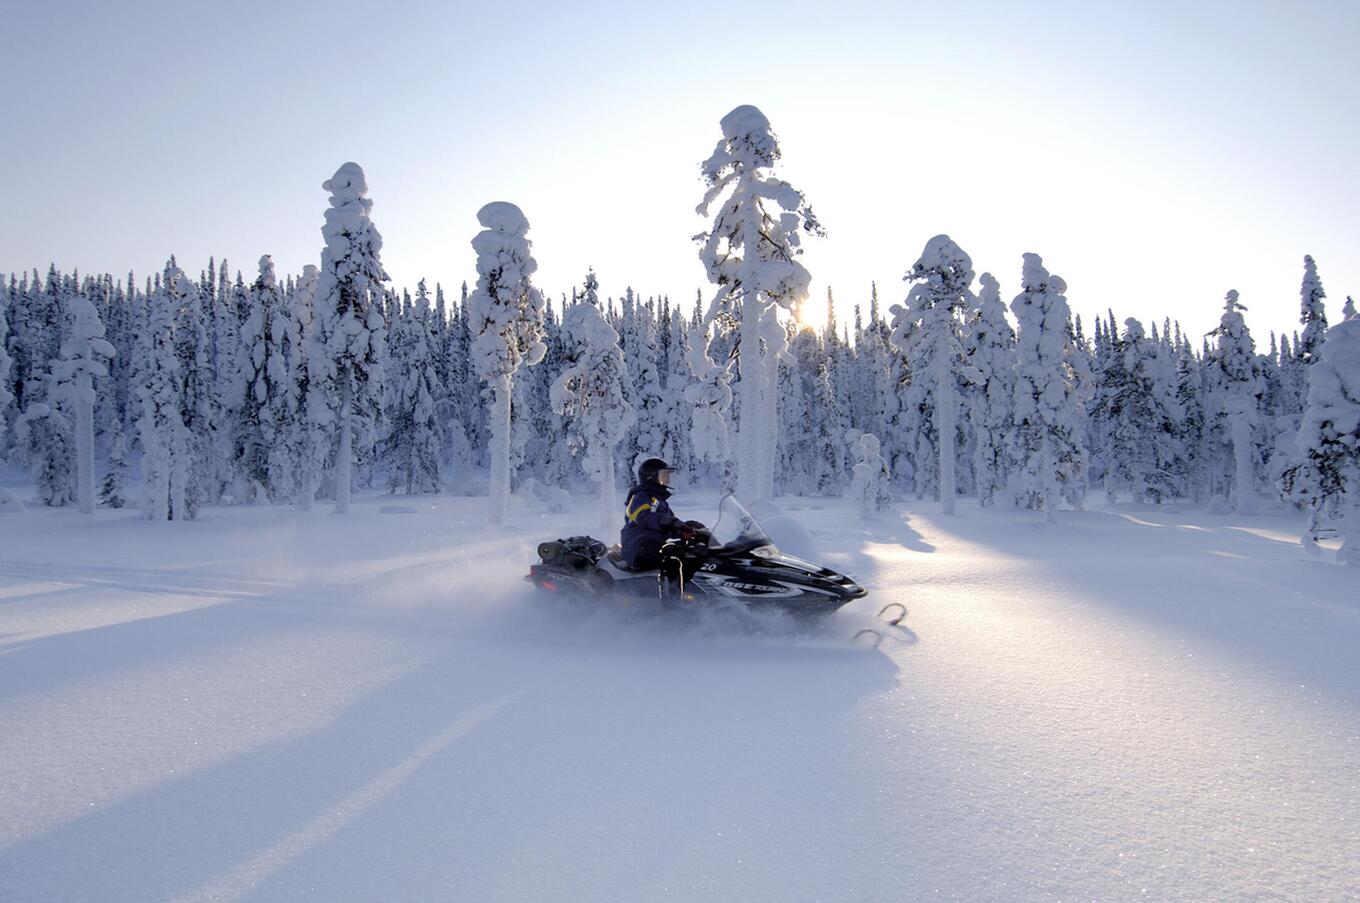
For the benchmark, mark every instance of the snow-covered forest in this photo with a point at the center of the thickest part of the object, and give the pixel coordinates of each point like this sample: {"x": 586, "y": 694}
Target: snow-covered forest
{"x": 211, "y": 383}
{"x": 234, "y": 387}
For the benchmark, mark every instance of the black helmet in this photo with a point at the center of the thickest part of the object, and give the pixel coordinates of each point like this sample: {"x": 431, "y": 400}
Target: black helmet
{"x": 650, "y": 470}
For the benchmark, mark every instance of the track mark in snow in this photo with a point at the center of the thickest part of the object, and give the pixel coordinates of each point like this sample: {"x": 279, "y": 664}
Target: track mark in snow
{"x": 249, "y": 874}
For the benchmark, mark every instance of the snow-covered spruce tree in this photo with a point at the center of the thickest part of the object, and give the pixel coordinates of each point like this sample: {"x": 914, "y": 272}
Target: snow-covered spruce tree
{"x": 1046, "y": 445}
{"x": 348, "y": 322}
{"x": 990, "y": 347}
{"x": 1312, "y": 314}
{"x": 263, "y": 404}
{"x": 43, "y": 432}
{"x": 46, "y": 440}
{"x": 83, "y": 357}
{"x": 200, "y": 406}
{"x": 639, "y": 341}
{"x": 1237, "y": 397}
{"x": 1137, "y": 408}
{"x": 412, "y": 448}
{"x": 35, "y": 323}
{"x": 928, "y": 331}
{"x": 1327, "y": 481}
{"x": 6, "y": 395}
{"x": 505, "y": 320}
{"x": 796, "y": 472}
{"x": 591, "y": 395}
{"x": 115, "y": 473}
{"x": 166, "y": 440}
{"x": 709, "y": 397}
{"x": 307, "y": 442}
{"x": 1190, "y": 430}
{"x": 750, "y": 254}
{"x": 869, "y": 487}
{"x": 675, "y": 440}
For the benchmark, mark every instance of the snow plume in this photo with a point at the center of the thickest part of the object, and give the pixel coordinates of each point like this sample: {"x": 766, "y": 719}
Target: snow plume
{"x": 590, "y": 393}
{"x": 1327, "y": 482}
{"x": 506, "y": 318}
{"x": 348, "y": 329}
{"x": 751, "y": 254}
{"x": 928, "y": 331}
{"x": 1047, "y": 450}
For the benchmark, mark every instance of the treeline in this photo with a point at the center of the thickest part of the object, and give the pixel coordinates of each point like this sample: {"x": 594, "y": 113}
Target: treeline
{"x": 1161, "y": 416}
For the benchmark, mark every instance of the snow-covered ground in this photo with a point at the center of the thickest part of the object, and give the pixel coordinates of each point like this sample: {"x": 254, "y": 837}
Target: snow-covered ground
{"x": 270, "y": 705}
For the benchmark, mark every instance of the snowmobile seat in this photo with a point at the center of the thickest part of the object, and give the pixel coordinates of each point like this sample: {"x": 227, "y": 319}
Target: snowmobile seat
{"x": 616, "y": 559}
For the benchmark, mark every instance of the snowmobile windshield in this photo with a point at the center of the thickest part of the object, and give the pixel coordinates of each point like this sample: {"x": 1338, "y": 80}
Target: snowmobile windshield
{"x": 737, "y": 529}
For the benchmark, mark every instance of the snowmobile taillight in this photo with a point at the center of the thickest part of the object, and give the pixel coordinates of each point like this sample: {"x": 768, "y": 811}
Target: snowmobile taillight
{"x": 548, "y": 584}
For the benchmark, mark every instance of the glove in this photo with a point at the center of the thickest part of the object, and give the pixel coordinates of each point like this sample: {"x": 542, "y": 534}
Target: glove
{"x": 693, "y": 530}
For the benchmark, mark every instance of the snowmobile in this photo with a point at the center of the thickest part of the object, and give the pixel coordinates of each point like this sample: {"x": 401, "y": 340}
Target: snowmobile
{"x": 734, "y": 563}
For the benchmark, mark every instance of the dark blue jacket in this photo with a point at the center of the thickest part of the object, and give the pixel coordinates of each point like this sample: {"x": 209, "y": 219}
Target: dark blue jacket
{"x": 647, "y": 518}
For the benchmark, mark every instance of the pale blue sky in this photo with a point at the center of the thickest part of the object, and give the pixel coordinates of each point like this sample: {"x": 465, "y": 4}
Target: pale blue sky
{"x": 1156, "y": 154}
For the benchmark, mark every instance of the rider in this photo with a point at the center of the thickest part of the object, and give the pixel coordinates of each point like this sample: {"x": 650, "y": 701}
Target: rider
{"x": 649, "y": 522}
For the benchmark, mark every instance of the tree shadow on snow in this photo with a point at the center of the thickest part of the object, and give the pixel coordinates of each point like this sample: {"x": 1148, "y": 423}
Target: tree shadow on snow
{"x": 451, "y": 774}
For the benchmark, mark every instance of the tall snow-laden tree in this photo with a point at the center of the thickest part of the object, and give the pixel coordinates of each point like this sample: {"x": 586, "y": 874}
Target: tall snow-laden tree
{"x": 751, "y": 254}
{"x": 675, "y": 440}
{"x": 1191, "y": 428}
{"x": 709, "y": 397}
{"x": 1327, "y": 480}
{"x": 1312, "y": 313}
{"x": 1047, "y": 445}
{"x": 263, "y": 402}
{"x": 307, "y": 443}
{"x": 928, "y": 331}
{"x": 506, "y": 320}
{"x": 83, "y": 358}
{"x": 348, "y": 325}
{"x": 1237, "y": 400}
{"x": 166, "y": 440}
{"x": 6, "y": 396}
{"x": 1137, "y": 408}
{"x": 413, "y": 448}
{"x": 200, "y": 407}
{"x": 43, "y": 431}
{"x": 115, "y": 473}
{"x": 990, "y": 349}
{"x": 591, "y": 394}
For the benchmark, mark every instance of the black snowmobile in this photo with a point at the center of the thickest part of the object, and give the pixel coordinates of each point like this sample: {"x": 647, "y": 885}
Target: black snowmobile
{"x": 736, "y": 563}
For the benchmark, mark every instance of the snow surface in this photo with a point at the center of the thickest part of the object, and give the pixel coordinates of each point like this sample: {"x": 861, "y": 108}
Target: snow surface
{"x": 268, "y": 704}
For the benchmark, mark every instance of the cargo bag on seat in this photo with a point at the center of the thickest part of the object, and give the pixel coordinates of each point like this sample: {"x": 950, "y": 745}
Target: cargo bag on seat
{"x": 578, "y": 553}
